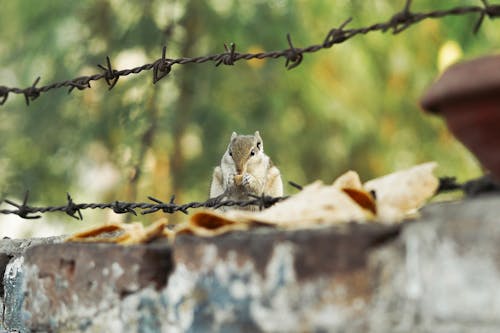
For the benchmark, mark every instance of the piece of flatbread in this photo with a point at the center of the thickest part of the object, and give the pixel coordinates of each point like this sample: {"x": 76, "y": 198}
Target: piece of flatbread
{"x": 315, "y": 204}
{"x": 350, "y": 179}
{"x": 402, "y": 193}
{"x": 122, "y": 233}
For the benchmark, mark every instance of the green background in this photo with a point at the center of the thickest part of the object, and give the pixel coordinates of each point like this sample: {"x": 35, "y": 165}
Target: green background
{"x": 354, "y": 106}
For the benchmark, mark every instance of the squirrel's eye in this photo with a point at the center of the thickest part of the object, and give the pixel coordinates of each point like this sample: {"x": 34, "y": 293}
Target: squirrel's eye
{"x": 230, "y": 153}
{"x": 252, "y": 153}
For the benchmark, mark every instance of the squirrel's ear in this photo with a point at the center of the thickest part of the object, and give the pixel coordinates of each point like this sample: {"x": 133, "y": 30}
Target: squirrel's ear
{"x": 233, "y": 135}
{"x": 259, "y": 140}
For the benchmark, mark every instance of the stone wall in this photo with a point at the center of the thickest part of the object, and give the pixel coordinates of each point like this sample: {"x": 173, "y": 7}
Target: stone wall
{"x": 439, "y": 273}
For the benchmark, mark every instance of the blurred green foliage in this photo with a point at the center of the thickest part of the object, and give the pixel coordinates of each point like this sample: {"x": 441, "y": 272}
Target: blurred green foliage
{"x": 354, "y": 106}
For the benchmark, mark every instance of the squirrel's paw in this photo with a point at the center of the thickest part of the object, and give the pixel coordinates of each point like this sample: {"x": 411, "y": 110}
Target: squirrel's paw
{"x": 246, "y": 179}
{"x": 230, "y": 181}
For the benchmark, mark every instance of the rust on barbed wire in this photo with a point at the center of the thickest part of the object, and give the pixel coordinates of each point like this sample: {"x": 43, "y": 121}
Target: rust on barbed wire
{"x": 293, "y": 55}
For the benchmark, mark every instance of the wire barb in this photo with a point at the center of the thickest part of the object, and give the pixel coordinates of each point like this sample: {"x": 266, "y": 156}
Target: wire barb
{"x": 472, "y": 188}
{"x": 72, "y": 209}
{"x": 4, "y": 93}
{"x": 81, "y": 83}
{"x": 229, "y": 57}
{"x": 402, "y": 20}
{"x": 337, "y": 35}
{"x": 297, "y": 186}
{"x": 161, "y": 67}
{"x": 293, "y": 56}
{"x": 264, "y": 201}
{"x": 492, "y": 11}
{"x": 169, "y": 207}
{"x": 23, "y": 210}
{"x": 32, "y": 92}
{"x": 122, "y": 208}
{"x": 110, "y": 75}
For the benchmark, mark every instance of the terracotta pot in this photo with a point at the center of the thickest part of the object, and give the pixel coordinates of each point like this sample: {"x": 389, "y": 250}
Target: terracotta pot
{"x": 467, "y": 95}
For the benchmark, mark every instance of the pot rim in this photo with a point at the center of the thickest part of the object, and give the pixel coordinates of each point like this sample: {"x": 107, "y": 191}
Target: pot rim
{"x": 475, "y": 78}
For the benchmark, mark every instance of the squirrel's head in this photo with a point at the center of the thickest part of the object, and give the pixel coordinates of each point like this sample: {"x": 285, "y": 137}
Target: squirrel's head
{"x": 245, "y": 149}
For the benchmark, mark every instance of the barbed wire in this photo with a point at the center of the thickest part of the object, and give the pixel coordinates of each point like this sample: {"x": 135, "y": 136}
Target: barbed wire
{"x": 293, "y": 55}
{"x": 472, "y": 188}
{"x": 73, "y": 209}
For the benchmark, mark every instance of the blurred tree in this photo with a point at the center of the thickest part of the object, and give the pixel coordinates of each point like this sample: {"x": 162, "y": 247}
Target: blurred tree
{"x": 352, "y": 107}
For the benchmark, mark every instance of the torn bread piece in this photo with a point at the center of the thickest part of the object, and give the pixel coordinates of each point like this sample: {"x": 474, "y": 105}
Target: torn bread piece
{"x": 315, "y": 204}
{"x": 402, "y": 193}
{"x": 349, "y": 179}
{"x": 351, "y": 185}
{"x": 121, "y": 233}
{"x": 204, "y": 231}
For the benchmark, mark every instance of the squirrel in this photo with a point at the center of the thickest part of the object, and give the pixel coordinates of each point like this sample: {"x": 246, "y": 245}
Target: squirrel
{"x": 245, "y": 170}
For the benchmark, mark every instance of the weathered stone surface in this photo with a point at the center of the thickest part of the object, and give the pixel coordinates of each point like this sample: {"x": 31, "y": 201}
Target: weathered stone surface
{"x": 14, "y": 247}
{"x": 438, "y": 274}
{"x": 68, "y": 284}
{"x": 442, "y": 275}
{"x": 268, "y": 280}
{"x": 11, "y": 260}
